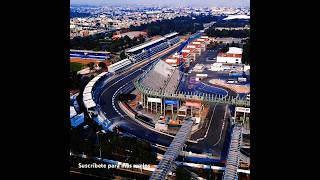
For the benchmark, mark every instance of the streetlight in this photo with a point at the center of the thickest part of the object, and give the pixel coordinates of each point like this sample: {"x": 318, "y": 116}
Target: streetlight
{"x": 97, "y": 133}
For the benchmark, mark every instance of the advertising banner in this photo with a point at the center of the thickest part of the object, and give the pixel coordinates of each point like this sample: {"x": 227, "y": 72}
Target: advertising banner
{"x": 156, "y": 100}
{"x": 193, "y": 104}
{"x": 171, "y": 101}
{"x": 242, "y": 109}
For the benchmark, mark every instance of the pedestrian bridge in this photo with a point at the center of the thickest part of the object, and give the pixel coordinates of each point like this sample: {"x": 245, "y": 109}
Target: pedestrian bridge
{"x": 232, "y": 163}
{"x": 173, "y": 151}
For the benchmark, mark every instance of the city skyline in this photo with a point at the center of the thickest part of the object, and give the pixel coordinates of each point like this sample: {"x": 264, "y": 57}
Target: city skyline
{"x": 176, "y": 3}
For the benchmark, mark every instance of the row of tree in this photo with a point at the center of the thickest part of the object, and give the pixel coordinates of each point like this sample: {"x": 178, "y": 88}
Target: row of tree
{"x": 232, "y": 23}
{"x": 78, "y": 81}
{"x": 113, "y": 146}
{"x": 103, "y": 42}
{"x": 246, "y": 52}
{"x": 74, "y": 14}
{"x": 227, "y": 33}
{"x": 179, "y": 24}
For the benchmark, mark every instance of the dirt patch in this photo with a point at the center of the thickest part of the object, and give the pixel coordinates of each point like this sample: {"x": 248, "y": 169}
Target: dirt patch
{"x": 234, "y": 87}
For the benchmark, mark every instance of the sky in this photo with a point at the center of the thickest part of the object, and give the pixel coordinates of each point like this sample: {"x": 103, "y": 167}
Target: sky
{"x": 173, "y": 3}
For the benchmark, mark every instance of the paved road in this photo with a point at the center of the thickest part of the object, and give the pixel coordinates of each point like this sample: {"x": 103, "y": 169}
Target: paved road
{"x": 214, "y": 132}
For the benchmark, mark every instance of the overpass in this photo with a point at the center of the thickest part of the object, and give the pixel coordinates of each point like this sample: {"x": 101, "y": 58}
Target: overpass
{"x": 233, "y": 158}
{"x": 173, "y": 151}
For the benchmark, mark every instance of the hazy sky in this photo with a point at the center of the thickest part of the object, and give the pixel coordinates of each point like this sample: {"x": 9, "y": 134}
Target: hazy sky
{"x": 193, "y": 3}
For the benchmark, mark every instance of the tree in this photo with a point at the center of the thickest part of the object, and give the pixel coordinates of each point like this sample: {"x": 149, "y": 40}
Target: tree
{"x": 91, "y": 65}
{"x": 225, "y": 49}
{"x": 123, "y": 55}
{"x": 246, "y": 53}
{"x": 102, "y": 65}
{"x": 181, "y": 173}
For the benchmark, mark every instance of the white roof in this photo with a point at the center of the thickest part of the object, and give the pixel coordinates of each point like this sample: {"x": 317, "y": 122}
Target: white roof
{"x": 191, "y": 46}
{"x": 89, "y": 104}
{"x": 95, "y": 79}
{"x": 90, "y": 84}
{"x": 145, "y": 45}
{"x": 185, "y": 50}
{"x": 237, "y": 17}
{"x": 102, "y": 74}
{"x": 87, "y": 90}
{"x": 234, "y": 50}
{"x": 170, "y": 35}
{"x": 171, "y": 60}
{"x": 72, "y": 112}
{"x": 87, "y": 96}
{"x": 119, "y": 62}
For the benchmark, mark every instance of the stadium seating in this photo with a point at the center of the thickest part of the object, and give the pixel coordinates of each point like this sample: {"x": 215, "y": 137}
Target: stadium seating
{"x": 154, "y": 49}
{"x": 162, "y": 77}
{"x": 173, "y": 82}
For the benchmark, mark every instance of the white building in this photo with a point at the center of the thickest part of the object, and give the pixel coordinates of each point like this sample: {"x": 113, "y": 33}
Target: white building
{"x": 233, "y": 56}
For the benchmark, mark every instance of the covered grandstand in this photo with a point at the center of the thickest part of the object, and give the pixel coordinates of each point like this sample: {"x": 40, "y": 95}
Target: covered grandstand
{"x": 120, "y": 65}
{"x": 162, "y": 77}
{"x": 151, "y": 48}
{"x": 96, "y": 55}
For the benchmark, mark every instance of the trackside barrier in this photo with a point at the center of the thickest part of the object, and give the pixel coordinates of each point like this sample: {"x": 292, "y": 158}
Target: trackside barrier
{"x": 91, "y": 90}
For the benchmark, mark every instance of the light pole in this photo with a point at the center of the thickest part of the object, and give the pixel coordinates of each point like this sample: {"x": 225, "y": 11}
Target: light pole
{"x": 97, "y": 133}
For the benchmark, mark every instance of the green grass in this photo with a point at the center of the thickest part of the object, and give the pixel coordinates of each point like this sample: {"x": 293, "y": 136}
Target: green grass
{"x": 76, "y": 66}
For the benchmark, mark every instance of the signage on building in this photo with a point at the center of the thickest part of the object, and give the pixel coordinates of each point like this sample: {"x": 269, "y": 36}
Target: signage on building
{"x": 156, "y": 100}
{"x": 171, "y": 102}
{"x": 242, "y": 109}
{"x": 193, "y": 104}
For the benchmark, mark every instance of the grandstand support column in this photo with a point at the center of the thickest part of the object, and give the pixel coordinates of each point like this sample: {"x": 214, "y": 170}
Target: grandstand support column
{"x": 172, "y": 108}
{"x": 161, "y": 106}
{"x": 178, "y": 105}
{"x": 147, "y": 104}
{"x": 164, "y": 107}
{"x": 142, "y": 100}
{"x": 156, "y": 107}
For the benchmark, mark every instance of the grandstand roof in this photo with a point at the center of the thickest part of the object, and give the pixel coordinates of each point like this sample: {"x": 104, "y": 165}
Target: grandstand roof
{"x": 72, "y": 112}
{"x": 119, "y": 62}
{"x": 170, "y": 35}
{"x": 89, "y": 103}
{"x": 145, "y": 45}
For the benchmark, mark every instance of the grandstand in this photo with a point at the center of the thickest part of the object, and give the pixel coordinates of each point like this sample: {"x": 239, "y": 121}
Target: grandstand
{"x": 88, "y": 99}
{"x": 151, "y": 48}
{"x": 173, "y": 82}
{"x": 162, "y": 77}
{"x": 82, "y": 54}
{"x": 120, "y": 65}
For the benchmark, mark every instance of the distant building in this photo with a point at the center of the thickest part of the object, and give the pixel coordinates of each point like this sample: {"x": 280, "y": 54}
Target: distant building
{"x": 131, "y": 34}
{"x": 233, "y": 56}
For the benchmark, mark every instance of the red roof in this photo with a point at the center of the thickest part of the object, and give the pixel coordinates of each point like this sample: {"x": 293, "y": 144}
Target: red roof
{"x": 229, "y": 55}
